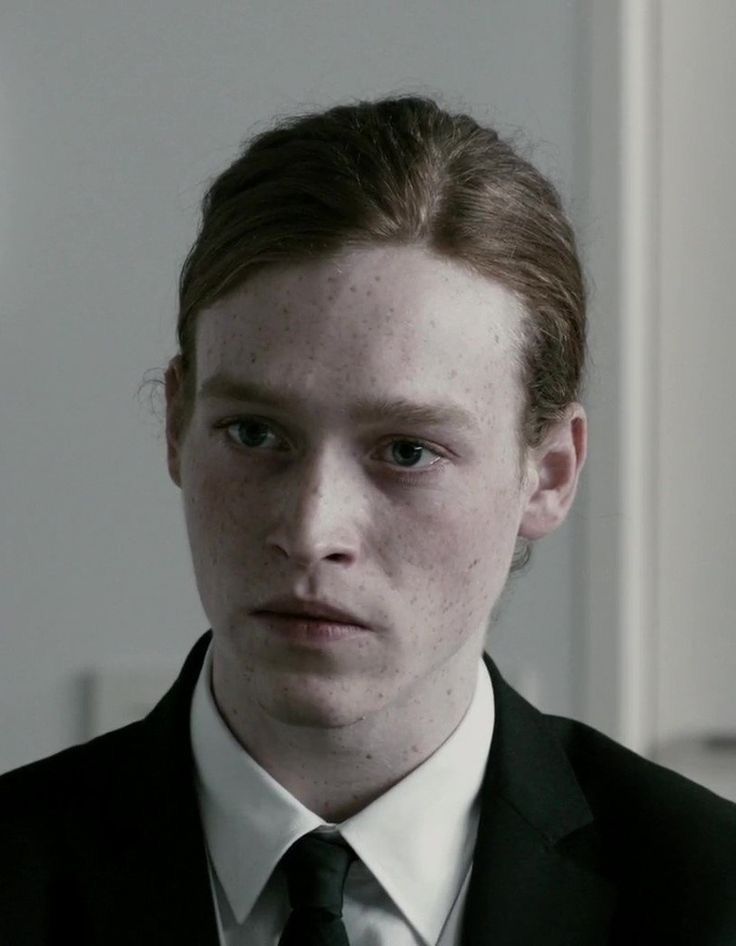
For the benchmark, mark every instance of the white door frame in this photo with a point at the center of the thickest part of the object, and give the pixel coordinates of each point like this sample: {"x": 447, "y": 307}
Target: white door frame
{"x": 619, "y": 528}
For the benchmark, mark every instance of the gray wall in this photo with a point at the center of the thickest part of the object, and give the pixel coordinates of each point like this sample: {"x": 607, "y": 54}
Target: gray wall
{"x": 113, "y": 116}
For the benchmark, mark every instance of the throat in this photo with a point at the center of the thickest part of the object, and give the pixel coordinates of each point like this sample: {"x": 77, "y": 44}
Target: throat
{"x": 312, "y": 738}
{"x": 336, "y": 772}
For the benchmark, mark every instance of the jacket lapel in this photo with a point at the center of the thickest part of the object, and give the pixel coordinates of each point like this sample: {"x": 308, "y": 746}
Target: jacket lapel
{"x": 537, "y": 875}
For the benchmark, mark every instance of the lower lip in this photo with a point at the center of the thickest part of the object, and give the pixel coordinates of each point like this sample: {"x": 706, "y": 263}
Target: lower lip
{"x": 309, "y": 630}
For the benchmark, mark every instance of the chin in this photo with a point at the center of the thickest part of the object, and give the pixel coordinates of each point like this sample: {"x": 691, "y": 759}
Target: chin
{"x": 317, "y": 712}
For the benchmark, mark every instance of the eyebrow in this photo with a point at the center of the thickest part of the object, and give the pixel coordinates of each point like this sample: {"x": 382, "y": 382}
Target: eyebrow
{"x": 223, "y": 386}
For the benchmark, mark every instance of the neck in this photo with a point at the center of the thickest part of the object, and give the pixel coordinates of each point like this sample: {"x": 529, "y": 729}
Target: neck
{"x": 336, "y": 771}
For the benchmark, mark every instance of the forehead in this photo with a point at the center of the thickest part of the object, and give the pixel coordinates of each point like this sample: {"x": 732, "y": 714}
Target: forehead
{"x": 396, "y": 320}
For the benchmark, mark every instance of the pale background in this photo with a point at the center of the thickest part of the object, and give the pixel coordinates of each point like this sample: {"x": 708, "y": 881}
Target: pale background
{"x": 113, "y": 119}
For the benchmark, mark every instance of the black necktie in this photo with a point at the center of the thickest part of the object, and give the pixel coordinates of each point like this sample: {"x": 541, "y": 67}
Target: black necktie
{"x": 315, "y": 869}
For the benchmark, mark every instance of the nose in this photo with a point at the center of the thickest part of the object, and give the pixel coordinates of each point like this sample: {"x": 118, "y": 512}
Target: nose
{"x": 318, "y": 511}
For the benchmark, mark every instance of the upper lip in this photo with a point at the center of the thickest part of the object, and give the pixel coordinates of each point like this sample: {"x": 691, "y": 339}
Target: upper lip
{"x": 311, "y": 607}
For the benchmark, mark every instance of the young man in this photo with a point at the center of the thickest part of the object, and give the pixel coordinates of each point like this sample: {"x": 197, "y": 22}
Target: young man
{"x": 374, "y": 411}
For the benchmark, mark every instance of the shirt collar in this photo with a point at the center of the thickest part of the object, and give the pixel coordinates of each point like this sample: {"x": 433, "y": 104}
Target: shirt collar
{"x": 417, "y": 838}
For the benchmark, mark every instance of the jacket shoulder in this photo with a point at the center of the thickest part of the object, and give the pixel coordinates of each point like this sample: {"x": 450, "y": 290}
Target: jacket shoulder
{"x": 48, "y": 810}
{"x": 610, "y": 774}
{"x": 671, "y": 841}
{"x": 43, "y": 803}
{"x": 69, "y": 777}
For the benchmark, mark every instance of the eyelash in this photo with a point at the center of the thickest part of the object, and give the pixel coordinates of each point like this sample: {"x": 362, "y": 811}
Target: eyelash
{"x": 403, "y": 475}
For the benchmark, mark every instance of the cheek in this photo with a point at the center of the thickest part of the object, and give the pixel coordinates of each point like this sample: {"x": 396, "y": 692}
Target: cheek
{"x": 214, "y": 506}
{"x": 462, "y": 553}
{"x": 461, "y": 531}
{"x": 217, "y": 517}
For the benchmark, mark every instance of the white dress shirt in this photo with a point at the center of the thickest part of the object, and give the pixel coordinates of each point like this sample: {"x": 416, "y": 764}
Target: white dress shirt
{"x": 415, "y": 842}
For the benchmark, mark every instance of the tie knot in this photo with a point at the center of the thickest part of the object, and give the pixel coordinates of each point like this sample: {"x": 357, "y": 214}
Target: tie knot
{"x": 316, "y": 868}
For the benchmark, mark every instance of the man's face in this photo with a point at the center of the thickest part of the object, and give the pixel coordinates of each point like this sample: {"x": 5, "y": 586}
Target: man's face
{"x": 308, "y": 499}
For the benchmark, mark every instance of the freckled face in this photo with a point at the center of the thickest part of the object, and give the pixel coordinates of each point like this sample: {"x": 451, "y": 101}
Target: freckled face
{"x": 410, "y": 525}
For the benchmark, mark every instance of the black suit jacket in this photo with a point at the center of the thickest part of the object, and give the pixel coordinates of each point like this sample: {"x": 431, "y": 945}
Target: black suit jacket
{"x": 580, "y": 841}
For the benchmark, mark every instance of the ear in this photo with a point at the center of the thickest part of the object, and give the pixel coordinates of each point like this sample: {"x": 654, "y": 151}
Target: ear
{"x": 555, "y": 469}
{"x": 174, "y": 379}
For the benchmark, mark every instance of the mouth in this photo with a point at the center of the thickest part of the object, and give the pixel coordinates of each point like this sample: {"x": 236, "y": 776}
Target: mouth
{"x": 308, "y": 629}
{"x": 319, "y": 609}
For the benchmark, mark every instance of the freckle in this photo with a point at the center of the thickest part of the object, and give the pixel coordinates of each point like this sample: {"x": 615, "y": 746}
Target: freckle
{"x": 284, "y": 308}
{"x": 369, "y": 292}
{"x": 368, "y": 755}
{"x": 449, "y": 692}
{"x": 391, "y": 309}
{"x": 377, "y": 278}
{"x": 415, "y": 749}
{"x": 353, "y": 289}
